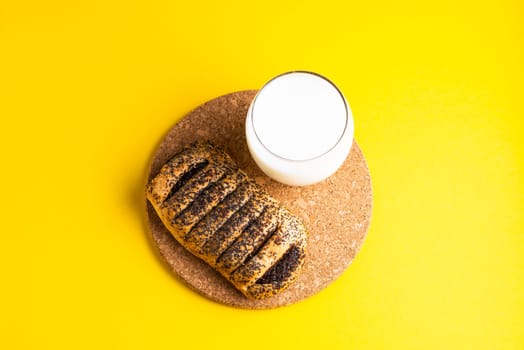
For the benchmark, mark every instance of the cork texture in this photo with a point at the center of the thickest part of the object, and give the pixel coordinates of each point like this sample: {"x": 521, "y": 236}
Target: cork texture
{"x": 336, "y": 211}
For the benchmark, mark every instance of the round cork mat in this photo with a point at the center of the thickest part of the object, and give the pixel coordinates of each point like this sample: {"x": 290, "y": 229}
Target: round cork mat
{"x": 336, "y": 211}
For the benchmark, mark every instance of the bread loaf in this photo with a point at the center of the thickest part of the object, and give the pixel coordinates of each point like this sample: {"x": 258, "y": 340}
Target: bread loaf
{"x": 214, "y": 210}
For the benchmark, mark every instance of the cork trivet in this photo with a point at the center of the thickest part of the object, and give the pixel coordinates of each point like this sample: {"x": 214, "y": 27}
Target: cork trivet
{"x": 336, "y": 211}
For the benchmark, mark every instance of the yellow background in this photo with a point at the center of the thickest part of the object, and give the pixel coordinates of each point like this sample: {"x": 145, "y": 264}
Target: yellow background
{"x": 88, "y": 88}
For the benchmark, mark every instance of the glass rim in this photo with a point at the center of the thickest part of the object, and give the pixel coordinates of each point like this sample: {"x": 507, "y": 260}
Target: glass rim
{"x": 252, "y": 109}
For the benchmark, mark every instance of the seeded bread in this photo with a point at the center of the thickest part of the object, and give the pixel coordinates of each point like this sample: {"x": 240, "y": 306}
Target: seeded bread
{"x": 215, "y": 211}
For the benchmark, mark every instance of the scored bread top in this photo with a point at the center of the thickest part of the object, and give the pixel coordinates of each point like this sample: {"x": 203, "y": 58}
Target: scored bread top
{"x": 215, "y": 211}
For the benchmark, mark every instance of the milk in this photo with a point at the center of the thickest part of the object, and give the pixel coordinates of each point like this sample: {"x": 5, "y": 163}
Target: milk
{"x": 299, "y": 128}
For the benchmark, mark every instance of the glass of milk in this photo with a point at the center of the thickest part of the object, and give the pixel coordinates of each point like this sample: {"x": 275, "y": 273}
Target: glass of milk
{"x": 299, "y": 128}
